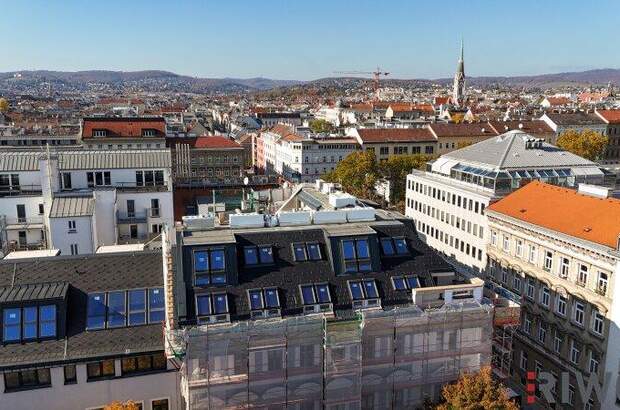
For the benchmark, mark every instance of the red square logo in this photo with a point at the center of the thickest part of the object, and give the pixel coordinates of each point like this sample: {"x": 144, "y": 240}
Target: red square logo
{"x": 531, "y": 375}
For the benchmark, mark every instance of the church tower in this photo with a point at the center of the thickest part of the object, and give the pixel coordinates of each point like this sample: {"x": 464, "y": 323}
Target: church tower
{"x": 458, "y": 92}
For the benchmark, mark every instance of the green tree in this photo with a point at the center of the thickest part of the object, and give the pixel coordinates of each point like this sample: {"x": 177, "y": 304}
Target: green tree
{"x": 321, "y": 126}
{"x": 396, "y": 169}
{"x": 476, "y": 391}
{"x": 4, "y": 105}
{"x": 588, "y": 144}
{"x": 357, "y": 173}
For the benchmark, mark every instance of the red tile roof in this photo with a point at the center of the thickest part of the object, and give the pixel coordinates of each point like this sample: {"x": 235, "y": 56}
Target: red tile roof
{"x": 216, "y": 142}
{"x": 609, "y": 116}
{"x": 558, "y": 100}
{"x": 124, "y": 127}
{"x": 409, "y": 107}
{"x": 383, "y": 135}
{"x": 564, "y": 210}
{"x": 534, "y": 127}
{"x": 477, "y": 129}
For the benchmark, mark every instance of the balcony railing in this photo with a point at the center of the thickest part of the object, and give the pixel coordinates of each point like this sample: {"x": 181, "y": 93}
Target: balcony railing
{"x": 154, "y": 212}
{"x": 131, "y": 217}
{"x": 24, "y": 222}
{"x": 17, "y": 190}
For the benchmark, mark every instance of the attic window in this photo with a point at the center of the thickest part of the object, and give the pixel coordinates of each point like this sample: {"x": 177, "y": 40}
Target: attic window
{"x": 405, "y": 282}
{"x": 364, "y": 293}
{"x": 29, "y": 323}
{"x": 209, "y": 267}
{"x": 258, "y": 255}
{"x": 394, "y": 246}
{"x": 309, "y": 251}
{"x": 99, "y": 133}
{"x": 148, "y": 133}
{"x": 211, "y": 304}
{"x": 124, "y": 308}
{"x": 264, "y": 302}
{"x": 356, "y": 254}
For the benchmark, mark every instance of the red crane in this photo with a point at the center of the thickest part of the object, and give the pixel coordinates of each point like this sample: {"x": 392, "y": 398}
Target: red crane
{"x": 376, "y": 75}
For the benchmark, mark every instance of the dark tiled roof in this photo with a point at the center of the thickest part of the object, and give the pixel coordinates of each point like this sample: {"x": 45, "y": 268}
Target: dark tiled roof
{"x": 84, "y": 274}
{"x": 34, "y": 292}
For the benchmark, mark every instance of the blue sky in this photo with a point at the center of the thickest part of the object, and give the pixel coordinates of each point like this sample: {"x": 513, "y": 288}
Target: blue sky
{"x": 310, "y": 39}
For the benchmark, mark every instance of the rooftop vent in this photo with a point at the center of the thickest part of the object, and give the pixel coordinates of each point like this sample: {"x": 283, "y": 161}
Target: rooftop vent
{"x": 520, "y": 126}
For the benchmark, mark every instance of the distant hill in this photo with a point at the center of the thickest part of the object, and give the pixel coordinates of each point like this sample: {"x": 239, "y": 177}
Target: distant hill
{"x": 156, "y": 80}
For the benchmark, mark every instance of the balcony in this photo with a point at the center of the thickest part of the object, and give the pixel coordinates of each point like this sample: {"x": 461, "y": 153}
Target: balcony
{"x": 20, "y": 190}
{"x": 131, "y": 217}
{"x": 127, "y": 239}
{"x": 458, "y": 291}
{"x": 33, "y": 222}
{"x": 132, "y": 187}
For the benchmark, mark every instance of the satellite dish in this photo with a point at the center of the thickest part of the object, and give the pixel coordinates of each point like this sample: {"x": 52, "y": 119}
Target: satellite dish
{"x": 246, "y": 181}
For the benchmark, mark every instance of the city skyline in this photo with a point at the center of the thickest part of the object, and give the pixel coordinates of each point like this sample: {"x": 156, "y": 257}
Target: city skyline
{"x": 287, "y": 41}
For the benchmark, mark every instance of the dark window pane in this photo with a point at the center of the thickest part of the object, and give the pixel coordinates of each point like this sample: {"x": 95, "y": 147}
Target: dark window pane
{"x": 96, "y": 311}
{"x": 201, "y": 261}
{"x": 128, "y": 365}
{"x": 348, "y": 249}
{"x": 362, "y": 248}
{"x": 156, "y": 305}
{"x": 314, "y": 252}
{"x": 356, "y": 290}
{"x": 160, "y": 404}
{"x": 107, "y": 367}
{"x": 371, "y": 290}
{"x": 251, "y": 258}
{"x": 116, "y": 309}
{"x": 307, "y": 295}
{"x": 43, "y": 377}
{"x": 93, "y": 370}
{"x": 322, "y": 293}
{"x": 256, "y": 300}
{"x": 202, "y": 280}
{"x": 137, "y": 307}
{"x": 11, "y": 380}
{"x": 365, "y": 266}
{"x": 219, "y": 304}
{"x": 399, "y": 284}
{"x": 387, "y": 246}
{"x": 217, "y": 260}
{"x": 47, "y": 321}
{"x": 29, "y": 377}
{"x": 401, "y": 246}
{"x": 271, "y": 298}
{"x": 12, "y": 324}
{"x": 266, "y": 254}
{"x": 159, "y": 361}
{"x": 300, "y": 252}
{"x": 107, "y": 179}
{"x": 350, "y": 266}
{"x": 144, "y": 363}
{"x": 70, "y": 373}
{"x": 159, "y": 177}
{"x": 203, "y": 305}
{"x": 218, "y": 279}
{"x": 30, "y": 322}
{"x": 98, "y": 178}
{"x": 413, "y": 282}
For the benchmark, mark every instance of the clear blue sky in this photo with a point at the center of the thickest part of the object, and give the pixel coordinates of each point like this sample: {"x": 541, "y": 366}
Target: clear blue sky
{"x": 310, "y": 39}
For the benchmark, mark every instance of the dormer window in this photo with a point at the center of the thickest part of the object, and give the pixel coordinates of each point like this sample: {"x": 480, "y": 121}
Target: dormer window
{"x": 394, "y": 246}
{"x": 316, "y": 298}
{"x": 99, "y": 133}
{"x": 264, "y": 302}
{"x": 121, "y": 308}
{"x": 212, "y": 308}
{"x": 209, "y": 267}
{"x": 258, "y": 255}
{"x": 356, "y": 255}
{"x": 309, "y": 251}
{"x": 405, "y": 282}
{"x": 364, "y": 293}
{"x": 148, "y": 133}
{"x": 29, "y": 323}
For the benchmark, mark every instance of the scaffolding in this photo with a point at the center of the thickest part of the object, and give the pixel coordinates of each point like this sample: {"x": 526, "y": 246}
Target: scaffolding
{"x": 374, "y": 359}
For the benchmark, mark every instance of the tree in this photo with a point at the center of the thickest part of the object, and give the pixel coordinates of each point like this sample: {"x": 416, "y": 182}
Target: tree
{"x": 457, "y": 118}
{"x": 117, "y": 405}
{"x": 588, "y": 144}
{"x": 396, "y": 169}
{"x": 319, "y": 126}
{"x": 476, "y": 391}
{"x": 4, "y": 105}
{"x": 357, "y": 174}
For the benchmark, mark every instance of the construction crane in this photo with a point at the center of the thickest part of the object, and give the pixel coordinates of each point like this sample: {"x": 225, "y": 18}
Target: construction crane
{"x": 376, "y": 75}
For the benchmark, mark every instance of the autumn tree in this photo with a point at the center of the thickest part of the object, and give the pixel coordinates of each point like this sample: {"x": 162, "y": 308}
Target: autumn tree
{"x": 588, "y": 144}
{"x": 357, "y": 173}
{"x": 117, "y": 405}
{"x": 396, "y": 169}
{"x": 457, "y": 118}
{"x": 4, "y": 105}
{"x": 476, "y": 391}
{"x": 321, "y": 126}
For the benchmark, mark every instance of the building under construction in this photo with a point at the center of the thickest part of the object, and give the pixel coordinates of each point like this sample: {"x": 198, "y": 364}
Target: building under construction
{"x": 328, "y": 305}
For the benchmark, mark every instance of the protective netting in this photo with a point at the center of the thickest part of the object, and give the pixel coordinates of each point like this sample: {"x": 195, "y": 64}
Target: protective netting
{"x": 376, "y": 359}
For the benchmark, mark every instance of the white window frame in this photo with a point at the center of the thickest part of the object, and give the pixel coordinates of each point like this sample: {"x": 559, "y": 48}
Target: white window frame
{"x": 545, "y": 297}
{"x": 581, "y": 312}
{"x": 598, "y": 320}
{"x": 533, "y": 254}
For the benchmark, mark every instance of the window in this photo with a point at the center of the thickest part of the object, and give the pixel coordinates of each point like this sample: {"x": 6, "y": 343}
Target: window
{"x": 505, "y": 243}
{"x": 548, "y": 261}
{"x": 150, "y": 178}
{"x": 516, "y": 283}
{"x": 99, "y": 133}
{"x": 575, "y": 351}
{"x": 594, "y": 362}
{"x": 601, "y": 285}
{"x": 41, "y": 209}
{"x": 74, "y": 249}
{"x": 96, "y": 311}
{"x": 211, "y": 304}
{"x": 116, "y": 309}
{"x": 542, "y": 332}
{"x": 99, "y": 178}
{"x": 27, "y": 379}
{"x": 493, "y": 238}
{"x": 519, "y": 247}
{"x": 70, "y": 374}
{"x": 582, "y": 278}
{"x": 564, "y": 267}
{"x": 313, "y": 294}
{"x": 578, "y": 312}
{"x": 159, "y": 404}
{"x": 545, "y": 296}
{"x": 309, "y": 251}
{"x": 137, "y": 307}
{"x": 66, "y": 180}
{"x": 29, "y": 322}
{"x": 156, "y": 305}
{"x": 263, "y": 298}
{"x": 523, "y": 361}
{"x": 530, "y": 289}
{"x": 405, "y": 282}
{"x": 143, "y": 363}
{"x": 99, "y": 370}
{"x": 148, "y": 133}
{"x": 258, "y": 255}
{"x": 527, "y": 324}
{"x": 598, "y": 322}
{"x": 561, "y": 305}
{"x": 394, "y": 246}
{"x": 557, "y": 342}
{"x": 361, "y": 290}
{"x": 532, "y": 254}
{"x": 72, "y": 226}
{"x": 356, "y": 255}
{"x": 209, "y": 267}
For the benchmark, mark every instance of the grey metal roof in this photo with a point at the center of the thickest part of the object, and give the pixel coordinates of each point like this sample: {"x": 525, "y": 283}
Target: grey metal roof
{"x": 91, "y": 159}
{"x": 63, "y": 207}
{"x": 508, "y": 151}
{"x": 575, "y": 118}
{"x": 34, "y": 292}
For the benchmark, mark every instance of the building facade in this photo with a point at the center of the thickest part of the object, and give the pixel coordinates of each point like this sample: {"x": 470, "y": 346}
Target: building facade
{"x": 123, "y": 133}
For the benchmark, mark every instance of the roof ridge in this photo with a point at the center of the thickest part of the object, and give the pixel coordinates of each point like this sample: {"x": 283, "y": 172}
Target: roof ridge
{"x": 502, "y": 160}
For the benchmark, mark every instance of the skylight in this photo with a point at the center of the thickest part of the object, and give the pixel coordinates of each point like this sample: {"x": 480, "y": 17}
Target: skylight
{"x": 121, "y": 308}
{"x": 258, "y": 255}
{"x": 356, "y": 255}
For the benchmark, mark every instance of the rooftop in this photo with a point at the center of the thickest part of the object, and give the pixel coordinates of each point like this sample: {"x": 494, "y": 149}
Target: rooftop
{"x": 386, "y": 135}
{"x": 555, "y": 208}
{"x": 124, "y": 127}
{"x": 574, "y": 118}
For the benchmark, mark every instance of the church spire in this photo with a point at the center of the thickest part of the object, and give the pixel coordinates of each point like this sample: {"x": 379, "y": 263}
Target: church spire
{"x": 458, "y": 91}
